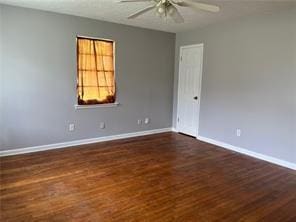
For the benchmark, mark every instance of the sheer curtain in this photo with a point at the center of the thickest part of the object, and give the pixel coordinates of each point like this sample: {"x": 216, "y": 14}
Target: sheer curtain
{"x": 96, "y": 82}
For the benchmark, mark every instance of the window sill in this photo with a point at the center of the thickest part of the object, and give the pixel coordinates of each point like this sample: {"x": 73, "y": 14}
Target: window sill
{"x": 96, "y": 106}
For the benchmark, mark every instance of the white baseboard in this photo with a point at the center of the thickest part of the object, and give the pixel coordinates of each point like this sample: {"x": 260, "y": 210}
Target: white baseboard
{"x": 81, "y": 142}
{"x": 249, "y": 153}
{"x": 174, "y": 130}
{"x": 143, "y": 133}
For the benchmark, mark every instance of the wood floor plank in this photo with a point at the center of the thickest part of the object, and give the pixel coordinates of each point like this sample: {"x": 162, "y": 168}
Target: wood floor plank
{"x": 162, "y": 177}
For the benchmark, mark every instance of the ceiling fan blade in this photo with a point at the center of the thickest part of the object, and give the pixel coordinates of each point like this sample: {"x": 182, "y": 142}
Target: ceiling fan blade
{"x": 197, "y": 5}
{"x": 176, "y": 16}
{"x": 140, "y": 12}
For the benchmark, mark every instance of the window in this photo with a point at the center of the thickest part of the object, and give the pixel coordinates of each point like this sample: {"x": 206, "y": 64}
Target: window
{"x": 95, "y": 68}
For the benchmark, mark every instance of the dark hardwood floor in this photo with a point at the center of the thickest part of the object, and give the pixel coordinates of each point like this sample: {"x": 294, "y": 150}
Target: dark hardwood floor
{"x": 163, "y": 177}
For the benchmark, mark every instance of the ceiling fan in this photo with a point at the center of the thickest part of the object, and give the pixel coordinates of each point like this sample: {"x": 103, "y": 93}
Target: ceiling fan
{"x": 168, "y": 7}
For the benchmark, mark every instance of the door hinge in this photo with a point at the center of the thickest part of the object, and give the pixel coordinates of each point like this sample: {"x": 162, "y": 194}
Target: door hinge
{"x": 178, "y": 120}
{"x": 181, "y": 58}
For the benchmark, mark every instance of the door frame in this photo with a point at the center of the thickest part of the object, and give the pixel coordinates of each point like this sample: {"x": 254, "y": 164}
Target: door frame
{"x": 201, "y": 45}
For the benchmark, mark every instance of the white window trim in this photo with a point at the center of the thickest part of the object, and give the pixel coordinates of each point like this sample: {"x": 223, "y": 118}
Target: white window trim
{"x": 94, "y": 106}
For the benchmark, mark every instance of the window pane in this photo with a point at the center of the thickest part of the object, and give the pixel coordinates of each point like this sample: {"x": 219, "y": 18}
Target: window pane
{"x": 104, "y": 92}
{"x": 86, "y": 62}
{"x": 102, "y": 79}
{"x": 90, "y": 78}
{"x": 100, "y": 66}
{"x": 90, "y": 93}
{"x": 85, "y": 46}
{"x": 110, "y": 78}
{"x": 104, "y": 48}
{"x": 108, "y": 63}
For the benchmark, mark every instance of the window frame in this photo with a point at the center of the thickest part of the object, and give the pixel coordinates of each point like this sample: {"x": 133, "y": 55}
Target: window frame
{"x": 114, "y": 104}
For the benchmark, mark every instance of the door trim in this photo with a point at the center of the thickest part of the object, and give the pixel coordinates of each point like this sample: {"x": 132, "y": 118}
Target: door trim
{"x": 201, "y": 45}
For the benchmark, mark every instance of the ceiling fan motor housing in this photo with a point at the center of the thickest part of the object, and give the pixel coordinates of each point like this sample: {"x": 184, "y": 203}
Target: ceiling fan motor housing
{"x": 164, "y": 7}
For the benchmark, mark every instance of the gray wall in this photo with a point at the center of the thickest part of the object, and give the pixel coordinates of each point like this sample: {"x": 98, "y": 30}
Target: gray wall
{"x": 1, "y": 85}
{"x": 39, "y": 74}
{"x": 249, "y": 82}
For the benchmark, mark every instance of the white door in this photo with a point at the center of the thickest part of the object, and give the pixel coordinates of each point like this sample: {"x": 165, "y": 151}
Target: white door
{"x": 190, "y": 73}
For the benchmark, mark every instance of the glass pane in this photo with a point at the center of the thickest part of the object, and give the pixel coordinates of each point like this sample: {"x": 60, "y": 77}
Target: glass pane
{"x": 108, "y": 63}
{"x": 111, "y": 90}
{"x": 104, "y": 48}
{"x": 79, "y": 91}
{"x": 100, "y": 66}
{"x": 86, "y": 62}
{"x": 90, "y": 93}
{"x": 110, "y": 78}
{"x": 103, "y": 93}
{"x": 102, "y": 79}
{"x": 85, "y": 46}
{"x": 108, "y": 48}
{"x": 90, "y": 79}
{"x": 79, "y": 78}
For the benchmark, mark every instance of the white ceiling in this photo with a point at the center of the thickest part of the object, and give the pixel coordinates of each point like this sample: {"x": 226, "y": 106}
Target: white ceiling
{"x": 111, "y": 10}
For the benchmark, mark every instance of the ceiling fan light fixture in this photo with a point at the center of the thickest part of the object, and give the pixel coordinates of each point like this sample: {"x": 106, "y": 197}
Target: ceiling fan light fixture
{"x": 158, "y": 4}
{"x": 171, "y": 10}
{"x": 161, "y": 10}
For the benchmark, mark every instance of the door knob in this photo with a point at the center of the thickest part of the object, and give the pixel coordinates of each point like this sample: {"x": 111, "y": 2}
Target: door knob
{"x": 195, "y": 97}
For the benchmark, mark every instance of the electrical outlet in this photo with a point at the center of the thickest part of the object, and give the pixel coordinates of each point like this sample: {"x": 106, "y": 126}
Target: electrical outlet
{"x": 102, "y": 125}
{"x": 147, "y": 120}
{"x": 139, "y": 121}
{"x": 71, "y": 127}
{"x": 238, "y": 132}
